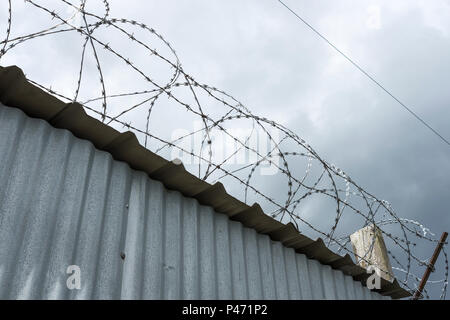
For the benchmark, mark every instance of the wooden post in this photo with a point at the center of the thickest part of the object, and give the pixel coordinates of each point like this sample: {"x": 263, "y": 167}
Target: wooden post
{"x": 430, "y": 267}
{"x": 368, "y": 243}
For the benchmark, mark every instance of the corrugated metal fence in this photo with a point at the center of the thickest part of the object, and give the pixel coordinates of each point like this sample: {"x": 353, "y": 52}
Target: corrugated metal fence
{"x": 62, "y": 202}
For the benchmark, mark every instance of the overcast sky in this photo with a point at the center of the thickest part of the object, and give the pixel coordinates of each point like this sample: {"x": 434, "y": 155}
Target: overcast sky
{"x": 261, "y": 54}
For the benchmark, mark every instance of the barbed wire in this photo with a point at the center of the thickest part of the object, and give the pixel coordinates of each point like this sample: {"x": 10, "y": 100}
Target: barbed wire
{"x": 218, "y": 114}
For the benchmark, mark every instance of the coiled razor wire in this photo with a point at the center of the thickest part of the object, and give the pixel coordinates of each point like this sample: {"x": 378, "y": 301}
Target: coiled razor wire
{"x": 218, "y": 112}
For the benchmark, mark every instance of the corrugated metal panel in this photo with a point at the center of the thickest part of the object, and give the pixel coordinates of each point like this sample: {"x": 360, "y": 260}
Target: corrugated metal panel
{"x": 17, "y": 92}
{"x": 63, "y": 202}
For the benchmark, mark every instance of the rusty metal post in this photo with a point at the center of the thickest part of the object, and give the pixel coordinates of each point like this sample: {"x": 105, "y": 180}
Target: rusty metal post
{"x": 430, "y": 267}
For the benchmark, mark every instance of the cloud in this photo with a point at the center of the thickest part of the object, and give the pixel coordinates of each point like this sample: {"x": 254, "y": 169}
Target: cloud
{"x": 373, "y": 17}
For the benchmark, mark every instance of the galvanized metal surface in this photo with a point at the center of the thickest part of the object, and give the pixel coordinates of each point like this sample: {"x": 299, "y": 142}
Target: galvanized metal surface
{"x": 63, "y": 202}
{"x": 16, "y": 91}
